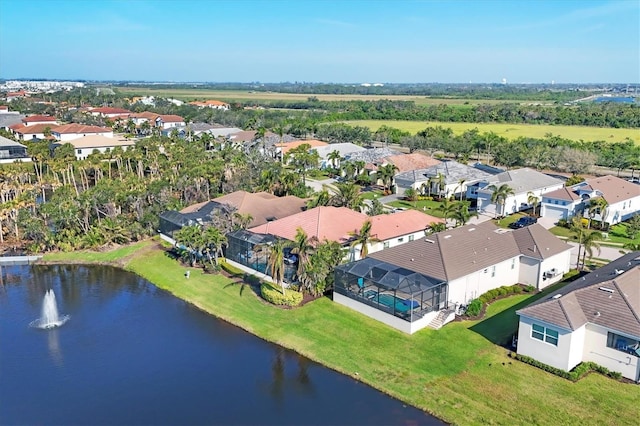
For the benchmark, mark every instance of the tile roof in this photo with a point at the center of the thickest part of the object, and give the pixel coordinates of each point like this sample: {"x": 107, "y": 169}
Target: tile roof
{"x": 79, "y": 128}
{"x": 111, "y": 110}
{"x": 452, "y": 171}
{"x": 413, "y": 161}
{"x": 7, "y": 120}
{"x": 36, "y": 118}
{"x": 263, "y": 206}
{"x": 614, "y": 189}
{"x": 454, "y": 253}
{"x": 563, "y": 193}
{"x": 386, "y": 226}
{"x": 99, "y": 141}
{"x": 613, "y": 303}
{"x": 342, "y": 148}
{"x": 523, "y": 180}
{"x": 171, "y": 118}
{"x": 535, "y": 241}
{"x": 33, "y": 129}
{"x": 145, "y": 114}
{"x": 371, "y": 155}
{"x": 288, "y": 146}
{"x": 326, "y": 222}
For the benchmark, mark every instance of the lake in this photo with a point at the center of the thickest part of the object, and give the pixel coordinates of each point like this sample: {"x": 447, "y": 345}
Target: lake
{"x": 134, "y": 354}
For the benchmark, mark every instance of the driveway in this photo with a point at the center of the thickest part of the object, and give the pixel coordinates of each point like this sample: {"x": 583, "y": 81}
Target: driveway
{"x": 318, "y": 185}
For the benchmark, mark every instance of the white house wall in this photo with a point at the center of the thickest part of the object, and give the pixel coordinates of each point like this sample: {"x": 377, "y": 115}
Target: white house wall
{"x": 83, "y": 153}
{"x": 529, "y": 271}
{"x": 469, "y": 287}
{"x": 65, "y": 137}
{"x": 513, "y": 203}
{"x": 596, "y": 350}
{"x": 556, "y": 356}
{"x": 561, "y": 262}
{"x": 383, "y": 317}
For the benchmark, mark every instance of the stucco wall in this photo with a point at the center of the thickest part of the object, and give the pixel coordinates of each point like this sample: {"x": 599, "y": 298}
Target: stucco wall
{"x": 555, "y": 356}
{"x": 464, "y": 289}
{"x": 596, "y": 350}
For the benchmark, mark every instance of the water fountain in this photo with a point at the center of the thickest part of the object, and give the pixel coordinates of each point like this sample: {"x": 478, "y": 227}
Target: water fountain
{"x": 50, "y": 317}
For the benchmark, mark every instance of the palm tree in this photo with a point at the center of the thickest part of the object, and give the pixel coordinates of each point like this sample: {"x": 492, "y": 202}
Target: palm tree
{"x": 334, "y": 157}
{"x": 348, "y": 195}
{"x": 590, "y": 241}
{"x": 578, "y": 231}
{"x": 440, "y": 181}
{"x": 462, "y": 214}
{"x": 363, "y": 238}
{"x": 533, "y": 200}
{"x": 321, "y": 198}
{"x": 303, "y": 247}
{"x": 447, "y": 208}
{"x": 435, "y": 227}
{"x": 461, "y": 183}
{"x": 499, "y": 195}
{"x": 275, "y": 262}
{"x": 386, "y": 174}
{"x": 598, "y": 206}
{"x": 214, "y": 242}
{"x": 375, "y": 208}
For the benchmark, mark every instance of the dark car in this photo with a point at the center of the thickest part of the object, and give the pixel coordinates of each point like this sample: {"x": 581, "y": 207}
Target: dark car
{"x": 523, "y": 221}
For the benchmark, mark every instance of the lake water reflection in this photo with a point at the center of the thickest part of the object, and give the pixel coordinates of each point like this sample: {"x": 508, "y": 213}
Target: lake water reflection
{"x": 133, "y": 354}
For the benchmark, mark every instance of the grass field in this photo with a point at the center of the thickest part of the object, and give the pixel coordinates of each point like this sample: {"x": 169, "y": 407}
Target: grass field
{"x": 512, "y": 131}
{"x": 189, "y": 94}
{"x": 457, "y": 373}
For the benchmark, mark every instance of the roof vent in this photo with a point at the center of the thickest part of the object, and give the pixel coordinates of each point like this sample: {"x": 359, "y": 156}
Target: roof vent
{"x": 608, "y": 290}
{"x": 429, "y": 241}
{"x": 472, "y": 229}
{"x": 597, "y": 313}
{"x": 447, "y": 236}
{"x": 557, "y": 296}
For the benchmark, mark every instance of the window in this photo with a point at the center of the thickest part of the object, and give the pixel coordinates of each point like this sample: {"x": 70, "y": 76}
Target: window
{"x": 385, "y": 244}
{"x": 400, "y": 240}
{"x": 79, "y": 151}
{"x": 513, "y": 263}
{"x": 623, "y": 344}
{"x": 545, "y": 334}
{"x": 493, "y": 271}
{"x": 411, "y": 237}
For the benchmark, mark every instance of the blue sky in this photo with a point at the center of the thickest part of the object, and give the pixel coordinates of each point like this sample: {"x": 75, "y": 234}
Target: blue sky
{"x": 322, "y": 41}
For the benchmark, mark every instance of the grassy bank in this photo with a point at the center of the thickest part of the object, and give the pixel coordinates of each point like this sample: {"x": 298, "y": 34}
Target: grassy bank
{"x": 457, "y": 373}
{"x": 512, "y": 131}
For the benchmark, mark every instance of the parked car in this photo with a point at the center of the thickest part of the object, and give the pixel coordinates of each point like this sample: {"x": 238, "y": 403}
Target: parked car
{"x": 523, "y": 221}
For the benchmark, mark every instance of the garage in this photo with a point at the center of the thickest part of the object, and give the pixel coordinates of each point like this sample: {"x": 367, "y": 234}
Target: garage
{"x": 552, "y": 212}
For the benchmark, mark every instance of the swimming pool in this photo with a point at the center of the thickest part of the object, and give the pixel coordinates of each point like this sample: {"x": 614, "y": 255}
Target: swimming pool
{"x": 391, "y": 302}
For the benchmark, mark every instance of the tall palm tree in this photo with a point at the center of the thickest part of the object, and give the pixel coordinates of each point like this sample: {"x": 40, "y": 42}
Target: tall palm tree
{"x": 590, "y": 241}
{"x": 334, "y": 157}
{"x": 598, "y": 206}
{"x": 348, "y": 195}
{"x": 363, "y": 238}
{"x": 321, "y": 198}
{"x": 214, "y": 242}
{"x": 447, "y": 208}
{"x": 440, "y": 181}
{"x": 533, "y": 200}
{"x": 275, "y": 262}
{"x": 499, "y": 195}
{"x": 303, "y": 247}
{"x": 386, "y": 174}
{"x": 461, "y": 183}
{"x": 578, "y": 231}
{"x": 462, "y": 214}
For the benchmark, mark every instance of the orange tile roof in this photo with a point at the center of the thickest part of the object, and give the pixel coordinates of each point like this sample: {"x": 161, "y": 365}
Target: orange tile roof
{"x": 413, "y": 161}
{"x": 110, "y": 110}
{"x": 209, "y": 102}
{"x": 287, "y": 146}
{"x": 33, "y": 129}
{"x": 36, "y": 118}
{"x": 79, "y": 128}
{"x": 171, "y": 118}
{"x": 145, "y": 114}
{"x": 614, "y": 189}
{"x": 387, "y": 226}
{"x": 326, "y": 222}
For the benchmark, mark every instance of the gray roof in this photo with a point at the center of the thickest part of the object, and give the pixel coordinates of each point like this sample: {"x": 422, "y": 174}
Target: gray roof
{"x": 9, "y": 119}
{"x": 342, "y": 148}
{"x": 523, "y": 180}
{"x": 609, "y": 297}
{"x": 8, "y": 142}
{"x": 454, "y": 253}
{"x": 452, "y": 170}
{"x": 535, "y": 241}
{"x": 371, "y": 155}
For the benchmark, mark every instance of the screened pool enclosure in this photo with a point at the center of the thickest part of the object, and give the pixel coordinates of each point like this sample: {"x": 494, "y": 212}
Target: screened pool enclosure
{"x": 396, "y": 291}
{"x": 252, "y": 250}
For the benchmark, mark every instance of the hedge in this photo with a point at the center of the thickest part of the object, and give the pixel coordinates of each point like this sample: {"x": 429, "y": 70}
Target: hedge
{"x": 578, "y": 372}
{"x": 229, "y": 268}
{"x": 492, "y": 295}
{"x": 275, "y": 296}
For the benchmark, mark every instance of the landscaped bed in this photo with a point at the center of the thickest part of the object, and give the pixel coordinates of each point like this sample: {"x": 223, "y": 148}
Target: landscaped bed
{"x": 457, "y": 373}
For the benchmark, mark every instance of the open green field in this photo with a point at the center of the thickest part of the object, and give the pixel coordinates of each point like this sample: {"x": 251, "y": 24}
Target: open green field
{"x": 512, "y": 131}
{"x": 457, "y": 373}
{"x": 190, "y": 94}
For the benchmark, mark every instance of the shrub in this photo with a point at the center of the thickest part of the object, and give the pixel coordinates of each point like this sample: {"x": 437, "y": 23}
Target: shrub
{"x": 529, "y": 289}
{"x": 275, "y": 296}
{"x": 578, "y": 372}
{"x": 474, "y": 308}
{"x": 230, "y": 268}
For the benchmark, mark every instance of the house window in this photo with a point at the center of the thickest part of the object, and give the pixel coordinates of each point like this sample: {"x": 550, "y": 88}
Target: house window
{"x": 385, "y": 244}
{"x": 513, "y": 263}
{"x": 545, "y": 334}
{"x": 493, "y": 271}
{"x": 79, "y": 151}
{"x": 411, "y": 237}
{"x": 623, "y": 344}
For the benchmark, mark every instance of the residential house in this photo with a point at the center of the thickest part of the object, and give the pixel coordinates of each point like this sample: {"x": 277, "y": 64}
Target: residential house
{"x": 69, "y": 132}
{"x": 10, "y": 96}
{"x": 211, "y": 104}
{"x": 423, "y": 282}
{"x": 8, "y": 119}
{"x": 261, "y": 206}
{"x": 4, "y": 109}
{"x": 169, "y": 121}
{"x": 12, "y": 151}
{"x": 622, "y": 197}
{"x": 87, "y": 145}
{"x": 343, "y": 149}
{"x": 413, "y": 161}
{"x": 285, "y": 147}
{"x": 32, "y": 120}
{"x": 197, "y": 129}
{"x": 596, "y": 318}
{"x": 372, "y": 157}
{"x": 32, "y": 132}
{"x": 457, "y": 177}
{"x": 524, "y": 182}
{"x": 109, "y": 112}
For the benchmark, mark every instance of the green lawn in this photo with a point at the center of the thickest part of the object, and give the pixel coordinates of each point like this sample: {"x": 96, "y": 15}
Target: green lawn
{"x": 512, "y": 131}
{"x": 427, "y": 206}
{"x": 456, "y": 373}
{"x": 508, "y": 220}
{"x": 617, "y": 235}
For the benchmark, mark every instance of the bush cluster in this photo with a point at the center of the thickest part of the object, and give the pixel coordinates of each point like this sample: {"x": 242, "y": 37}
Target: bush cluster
{"x": 474, "y": 308}
{"x": 492, "y": 295}
{"x": 275, "y": 296}
{"x": 578, "y": 372}
{"x": 230, "y": 269}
